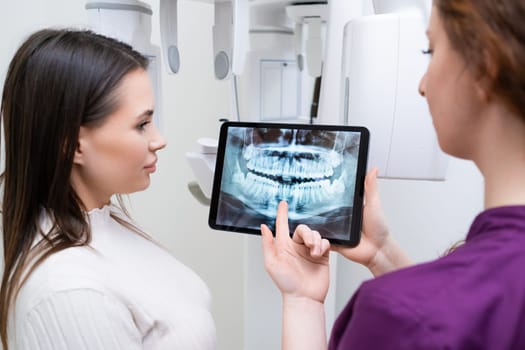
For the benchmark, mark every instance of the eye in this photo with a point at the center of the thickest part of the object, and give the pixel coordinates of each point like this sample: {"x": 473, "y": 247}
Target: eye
{"x": 142, "y": 125}
{"x": 428, "y": 51}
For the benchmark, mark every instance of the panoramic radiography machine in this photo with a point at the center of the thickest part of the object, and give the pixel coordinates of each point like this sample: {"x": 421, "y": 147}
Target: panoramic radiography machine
{"x": 307, "y": 62}
{"x": 315, "y": 63}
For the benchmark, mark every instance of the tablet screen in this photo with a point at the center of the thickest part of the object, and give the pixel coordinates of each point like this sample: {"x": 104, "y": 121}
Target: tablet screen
{"x": 318, "y": 169}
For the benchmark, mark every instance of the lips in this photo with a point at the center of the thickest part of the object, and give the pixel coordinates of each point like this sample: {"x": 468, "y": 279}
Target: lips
{"x": 151, "y": 166}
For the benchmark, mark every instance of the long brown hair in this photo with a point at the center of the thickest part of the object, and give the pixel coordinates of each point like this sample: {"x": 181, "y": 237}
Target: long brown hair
{"x": 490, "y": 36}
{"x": 57, "y": 81}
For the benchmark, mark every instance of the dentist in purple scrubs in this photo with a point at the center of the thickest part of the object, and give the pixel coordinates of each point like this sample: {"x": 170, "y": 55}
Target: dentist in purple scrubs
{"x": 473, "y": 297}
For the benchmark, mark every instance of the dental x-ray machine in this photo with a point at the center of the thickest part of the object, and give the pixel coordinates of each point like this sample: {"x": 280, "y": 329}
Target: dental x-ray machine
{"x": 374, "y": 62}
{"x": 283, "y": 58}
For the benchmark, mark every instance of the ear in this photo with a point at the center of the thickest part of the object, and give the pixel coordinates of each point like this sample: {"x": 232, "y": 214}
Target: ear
{"x": 485, "y": 81}
{"x": 482, "y": 88}
{"x": 79, "y": 151}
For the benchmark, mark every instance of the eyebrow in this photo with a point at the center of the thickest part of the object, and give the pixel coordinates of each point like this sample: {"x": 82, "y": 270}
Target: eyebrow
{"x": 146, "y": 113}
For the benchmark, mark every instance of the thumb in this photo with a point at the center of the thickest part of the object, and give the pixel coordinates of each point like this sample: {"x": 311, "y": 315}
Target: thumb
{"x": 371, "y": 192}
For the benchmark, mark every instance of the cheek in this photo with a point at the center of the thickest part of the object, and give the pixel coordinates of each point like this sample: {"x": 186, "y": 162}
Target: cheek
{"x": 131, "y": 160}
{"x": 438, "y": 100}
{"x": 125, "y": 154}
{"x": 440, "y": 94}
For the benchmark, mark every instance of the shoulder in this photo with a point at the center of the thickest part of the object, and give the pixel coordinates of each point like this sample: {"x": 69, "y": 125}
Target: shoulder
{"x": 67, "y": 303}
{"x": 432, "y": 304}
{"x": 389, "y": 311}
{"x": 75, "y": 319}
{"x": 70, "y": 269}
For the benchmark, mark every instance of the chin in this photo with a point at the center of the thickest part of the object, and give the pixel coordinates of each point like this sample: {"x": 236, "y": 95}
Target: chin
{"x": 144, "y": 186}
{"x": 455, "y": 152}
{"x": 141, "y": 187}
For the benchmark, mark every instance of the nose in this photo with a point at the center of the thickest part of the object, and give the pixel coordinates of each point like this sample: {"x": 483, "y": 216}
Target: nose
{"x": 157, "y": 142}
{"x": 423, "y": 85}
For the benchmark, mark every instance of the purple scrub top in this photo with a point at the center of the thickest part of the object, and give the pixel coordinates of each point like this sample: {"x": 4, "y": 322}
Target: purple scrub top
{"x": 472, "y": 298}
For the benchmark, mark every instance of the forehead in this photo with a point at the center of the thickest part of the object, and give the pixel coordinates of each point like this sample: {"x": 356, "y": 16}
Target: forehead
{"x": 134, "y": 94}
{"x": 133, "y": 97}
{"x": 135, "y": 88}
{"x": 434, "y": 24}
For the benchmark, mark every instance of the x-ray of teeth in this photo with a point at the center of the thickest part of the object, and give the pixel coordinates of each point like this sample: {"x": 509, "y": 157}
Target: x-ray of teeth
{"x": 313, "y": 170}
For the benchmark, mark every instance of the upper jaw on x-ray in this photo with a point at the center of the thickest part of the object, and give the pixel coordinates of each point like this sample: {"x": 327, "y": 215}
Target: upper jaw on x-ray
{"x": 313, "y": 170}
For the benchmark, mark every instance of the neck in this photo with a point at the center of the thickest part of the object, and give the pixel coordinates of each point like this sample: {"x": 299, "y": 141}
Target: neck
{"x": 89, "y": 197}
{"x": 507, "y": 188}
{"x": 501, "y": 159}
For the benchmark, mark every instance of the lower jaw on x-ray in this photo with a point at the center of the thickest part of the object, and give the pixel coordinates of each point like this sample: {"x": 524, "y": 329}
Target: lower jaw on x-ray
{"x": 313, "y": 170}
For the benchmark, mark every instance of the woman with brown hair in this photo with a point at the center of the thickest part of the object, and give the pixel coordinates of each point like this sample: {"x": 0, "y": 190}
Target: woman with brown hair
{"x": 474, "y": 297}
{"x": 77, "y": 111}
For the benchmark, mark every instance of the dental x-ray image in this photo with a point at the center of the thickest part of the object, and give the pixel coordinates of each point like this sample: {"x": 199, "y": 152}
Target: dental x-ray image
{"x": 318, "y": 170}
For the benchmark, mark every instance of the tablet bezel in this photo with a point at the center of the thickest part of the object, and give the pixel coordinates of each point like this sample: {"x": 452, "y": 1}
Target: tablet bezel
{"x": 357, "y": 208}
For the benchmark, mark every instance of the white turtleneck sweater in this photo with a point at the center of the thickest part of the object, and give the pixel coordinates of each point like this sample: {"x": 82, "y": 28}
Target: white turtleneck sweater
{"x": 122, "y": 292}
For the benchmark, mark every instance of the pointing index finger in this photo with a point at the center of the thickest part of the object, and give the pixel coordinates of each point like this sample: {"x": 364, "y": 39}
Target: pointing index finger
{"x": 281, "y": 222}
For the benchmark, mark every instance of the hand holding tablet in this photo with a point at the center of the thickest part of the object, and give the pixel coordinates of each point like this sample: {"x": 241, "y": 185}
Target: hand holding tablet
{"x": 318, "y": 169}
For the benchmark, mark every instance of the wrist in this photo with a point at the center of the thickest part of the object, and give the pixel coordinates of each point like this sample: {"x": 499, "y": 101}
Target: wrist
{"x": 389, "y": 258}
{"x": 301, "y": 302}
{"x": 304, "y": 325}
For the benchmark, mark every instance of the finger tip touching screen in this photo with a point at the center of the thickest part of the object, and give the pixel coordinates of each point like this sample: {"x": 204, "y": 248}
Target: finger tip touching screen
{"x": 318, "y": 170}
